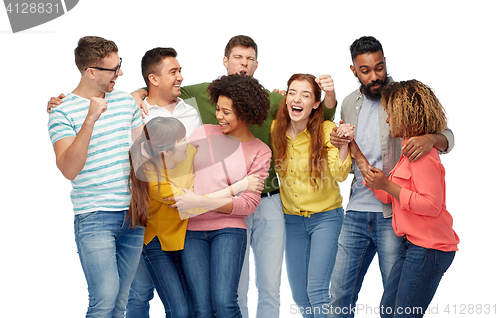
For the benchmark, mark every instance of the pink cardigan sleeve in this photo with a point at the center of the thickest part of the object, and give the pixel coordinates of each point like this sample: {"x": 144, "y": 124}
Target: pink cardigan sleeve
{"x": 247, "y": 202}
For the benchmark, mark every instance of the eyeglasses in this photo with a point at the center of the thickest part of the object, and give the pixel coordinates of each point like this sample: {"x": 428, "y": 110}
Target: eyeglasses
{"x": 116, "y": 70}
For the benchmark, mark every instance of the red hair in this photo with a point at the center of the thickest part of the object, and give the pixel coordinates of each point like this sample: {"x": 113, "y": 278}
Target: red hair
{"x": 317, "y": 153}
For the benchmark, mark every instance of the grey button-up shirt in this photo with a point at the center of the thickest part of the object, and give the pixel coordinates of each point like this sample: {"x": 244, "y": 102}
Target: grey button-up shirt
{"x": 391, "y": 147}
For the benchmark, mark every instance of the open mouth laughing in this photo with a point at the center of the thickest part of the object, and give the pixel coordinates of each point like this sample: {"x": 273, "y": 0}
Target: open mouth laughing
{"x": 296, "y": 110}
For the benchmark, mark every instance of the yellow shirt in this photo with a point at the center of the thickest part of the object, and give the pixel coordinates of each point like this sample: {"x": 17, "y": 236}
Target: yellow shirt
{"x": 297, "y": 189}
{"x": 164, "y": 221}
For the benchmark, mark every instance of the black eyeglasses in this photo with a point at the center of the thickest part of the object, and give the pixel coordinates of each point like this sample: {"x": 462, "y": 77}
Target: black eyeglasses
{"x": 116, "y": 70}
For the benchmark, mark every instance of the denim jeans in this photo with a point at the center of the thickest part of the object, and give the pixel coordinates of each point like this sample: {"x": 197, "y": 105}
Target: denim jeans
{"x": 266, "y": 236}
{"x": 310, "y": 250}
{"x": 212, "y": 262}
{"x": 165, "y": 270}
{"x": 109, "y": 251}
{"x": 141, "y": 292}
{"x": 413, "y": 281}
{"x": 363, "y": 234}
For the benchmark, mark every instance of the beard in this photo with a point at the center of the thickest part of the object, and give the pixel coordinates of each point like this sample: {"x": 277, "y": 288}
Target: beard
{"x": 373, "y": 95}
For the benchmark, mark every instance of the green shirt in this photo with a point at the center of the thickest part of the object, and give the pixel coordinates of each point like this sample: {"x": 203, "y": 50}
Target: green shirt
{"x": 207, "y": 113}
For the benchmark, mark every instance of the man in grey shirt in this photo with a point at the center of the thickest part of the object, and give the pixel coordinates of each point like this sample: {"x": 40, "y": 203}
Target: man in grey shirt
{"x": 367, "y": 227}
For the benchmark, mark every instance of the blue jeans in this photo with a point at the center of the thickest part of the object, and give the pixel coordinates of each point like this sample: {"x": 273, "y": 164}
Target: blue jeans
{"x": 363, "y": 234}
{"x": 413, "y": 281}
{"x": 161, "y": 265}
{"x": 212, "y": 262}
{"x": 141, "y": 292}
{"x": 310, "y": 250}
{"x": 109, "y": 251}
{"x": 165, "y": 270}
{"x": 266, "y": 236}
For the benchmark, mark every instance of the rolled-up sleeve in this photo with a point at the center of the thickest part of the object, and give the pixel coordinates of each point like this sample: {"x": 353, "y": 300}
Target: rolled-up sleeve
{"x": 451, "y": 140}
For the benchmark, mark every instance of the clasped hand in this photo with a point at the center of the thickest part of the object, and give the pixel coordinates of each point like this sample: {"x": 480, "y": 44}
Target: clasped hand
{"x": 376, "y": 179}
{"x": 189, "y": 200}
{"x": 341, "y": 135}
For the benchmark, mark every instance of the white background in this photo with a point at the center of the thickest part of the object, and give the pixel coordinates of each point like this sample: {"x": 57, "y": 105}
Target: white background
{"x": 450, "y": 45}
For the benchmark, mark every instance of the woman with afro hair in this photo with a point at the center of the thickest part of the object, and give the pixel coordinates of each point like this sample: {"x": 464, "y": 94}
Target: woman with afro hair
{"x": 417, "y": 192}
{"x": 215, "y": 242}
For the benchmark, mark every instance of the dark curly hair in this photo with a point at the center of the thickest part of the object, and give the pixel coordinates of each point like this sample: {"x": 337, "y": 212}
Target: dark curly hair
{"x": 413, "y": 108}
{"x": 250, "y": 99}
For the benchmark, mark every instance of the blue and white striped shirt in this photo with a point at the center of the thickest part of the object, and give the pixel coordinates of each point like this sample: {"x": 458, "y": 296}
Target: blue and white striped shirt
{"x": 102, "y": 183}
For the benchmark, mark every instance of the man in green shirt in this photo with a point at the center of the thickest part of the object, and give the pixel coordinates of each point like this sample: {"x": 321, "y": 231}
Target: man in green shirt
{"x": 266, "y": 226}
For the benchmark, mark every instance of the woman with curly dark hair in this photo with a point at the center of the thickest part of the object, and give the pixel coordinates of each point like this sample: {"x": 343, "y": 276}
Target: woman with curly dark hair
{"x": 309, "y": 168}
{"x": 417, "y": 191}
{"x": 161, "y": 162}
{"x": 215, "y": 243}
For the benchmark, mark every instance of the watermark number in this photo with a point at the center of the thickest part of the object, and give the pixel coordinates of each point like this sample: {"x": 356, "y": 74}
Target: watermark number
{"x": 32, "y": 8}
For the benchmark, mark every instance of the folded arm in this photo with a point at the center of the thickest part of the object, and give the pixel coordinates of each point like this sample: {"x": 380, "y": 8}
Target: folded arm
{"x": 220, "y": 201}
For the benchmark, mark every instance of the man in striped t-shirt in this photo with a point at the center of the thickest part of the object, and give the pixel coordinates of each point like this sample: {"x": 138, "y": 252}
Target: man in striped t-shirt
{"x": 91, "y": 134}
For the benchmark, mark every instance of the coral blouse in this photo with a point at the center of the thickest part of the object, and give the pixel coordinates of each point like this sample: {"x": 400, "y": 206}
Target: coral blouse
{"x": 421, "y": 213}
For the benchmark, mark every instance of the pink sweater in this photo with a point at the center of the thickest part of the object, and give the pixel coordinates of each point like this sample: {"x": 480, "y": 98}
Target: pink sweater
{"x": 421, "y": 211}
{"x": 219, "y": 162}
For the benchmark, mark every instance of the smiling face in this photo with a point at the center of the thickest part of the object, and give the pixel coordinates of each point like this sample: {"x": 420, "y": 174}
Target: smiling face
{"x": 242, "y": 60}
{"x": 371, "y": 71}
{"x": 169, "y": 79}
{"x": 228, "y": 121}
{"x": 300, "y": 101}
{"x": 105, "y": 80}
{"x": 175, "y": 155}
{"x": 179, "y": 153}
